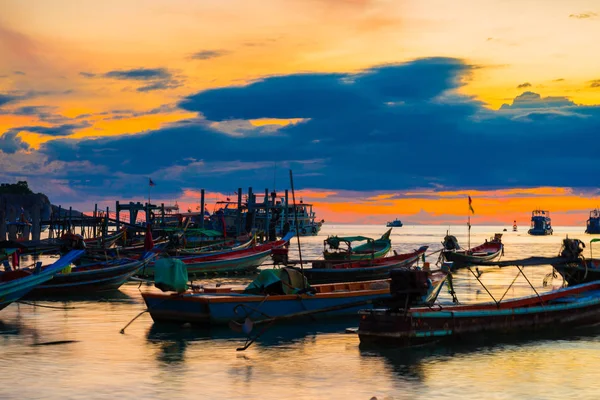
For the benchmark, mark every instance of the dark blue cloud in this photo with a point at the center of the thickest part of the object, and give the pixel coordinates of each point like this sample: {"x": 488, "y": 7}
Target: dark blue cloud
{"x": 154, "y": 78}
{"x": 10, "y": 142}
{"x": 160, "y": 85}
{"x": 208, "y": 54}
{"x": 388, "y": 128}
{"x": 139, "y": 74}
{"x": 323, "y": 95}
{"x": 524, "y": 85}
{"x": 7, "y": 98}
{"x": 57, "y": 130}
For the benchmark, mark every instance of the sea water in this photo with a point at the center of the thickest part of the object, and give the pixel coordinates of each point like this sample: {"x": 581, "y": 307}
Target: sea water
{"x": 74, "y": 350}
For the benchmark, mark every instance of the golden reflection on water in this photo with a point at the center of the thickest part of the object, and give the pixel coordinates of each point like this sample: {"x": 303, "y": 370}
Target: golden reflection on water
{"x": 309, "y": 361}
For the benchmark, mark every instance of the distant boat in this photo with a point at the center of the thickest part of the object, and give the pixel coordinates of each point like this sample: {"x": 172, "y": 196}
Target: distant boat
{"x": 541, "y": 223}
{"x": 593, "y": 222}
{"x": 394, "y": 224}
{"x": 515, "y": 226}
{"x": 370, "y": 250}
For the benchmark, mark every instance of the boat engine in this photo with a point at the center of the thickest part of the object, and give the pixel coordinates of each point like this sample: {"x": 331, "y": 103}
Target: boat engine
{"x": 572, "y": 248}
{"x": 407, "y": 287}
{"x": 451, "y": 243}
{"x": 280, "y": 256}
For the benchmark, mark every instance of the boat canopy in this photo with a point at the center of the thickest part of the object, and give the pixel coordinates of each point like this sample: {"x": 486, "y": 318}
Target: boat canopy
{"x": 334, "y": 241}
{"x": 278, "y": 281}
{"x": 197, "y": 231}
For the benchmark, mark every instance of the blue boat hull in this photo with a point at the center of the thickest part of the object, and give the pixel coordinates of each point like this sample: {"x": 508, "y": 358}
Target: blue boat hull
{"x": 13, "y": 290}
{"x": 184, "y": 308}
{"x": 540, "y": 232}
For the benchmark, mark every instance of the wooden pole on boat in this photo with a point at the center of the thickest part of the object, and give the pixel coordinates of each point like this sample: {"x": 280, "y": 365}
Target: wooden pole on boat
{"x": 296, "y": 225}
{"x": 2, "y": 219}
{"x": 287, "y": 206}
{"x": 12, "y": 229}
{"x": 239, "y": 212}
{"x": 469, "y": 239}
{"x": 36, "y": 227}
{"x": 95, "y": 219}
{"x": 268, "y": 216}
{"x": 202, "y": 207}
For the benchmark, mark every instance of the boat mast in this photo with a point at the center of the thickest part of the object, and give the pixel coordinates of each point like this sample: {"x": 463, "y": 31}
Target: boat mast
{"x": 296, "y": 225}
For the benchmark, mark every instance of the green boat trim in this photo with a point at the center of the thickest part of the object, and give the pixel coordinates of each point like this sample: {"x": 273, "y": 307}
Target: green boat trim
{"x": 372, "y": 249}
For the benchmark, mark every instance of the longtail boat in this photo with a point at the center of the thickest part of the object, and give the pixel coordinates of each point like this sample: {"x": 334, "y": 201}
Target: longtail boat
{"x": 274, "y": 294}
{"x": 362, "y": 270}
{"x": 15, "y": 284}
{"x": 91, "y": 278}
{"x": 238, "y": 261}
{"x": 405, "y": 326}
{"x": 340, "y": 247}
{"x": 224, "y": 247}
{"x": 490, "y": 250}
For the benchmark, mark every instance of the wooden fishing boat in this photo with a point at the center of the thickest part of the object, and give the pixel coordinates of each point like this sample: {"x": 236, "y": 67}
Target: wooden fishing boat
{"x": 362, "y": 270}
{"x": 88, "y": 278}
{"x": 238, "y": 261}
{"x": 223, "y": 247}
{"x": 567, "y": 308}
{"x": 275, "y": 294}
{"x": 91, "y": 278}
{"x": 15, "y": 284}
{"x": 340, "y": 248}
{"x": 488, "y": 251}
{"x": 541, "y": 224}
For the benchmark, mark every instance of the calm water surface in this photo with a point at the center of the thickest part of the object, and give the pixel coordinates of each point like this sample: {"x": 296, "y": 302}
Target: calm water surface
{"x": 293, "y": 361}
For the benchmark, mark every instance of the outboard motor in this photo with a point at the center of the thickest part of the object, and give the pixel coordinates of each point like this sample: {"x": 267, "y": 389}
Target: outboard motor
{"x": 451, "y": 243}
{"x": 280, "y": 256}
{"x": 407, "y": 287}
{"x": 572, "y": 248}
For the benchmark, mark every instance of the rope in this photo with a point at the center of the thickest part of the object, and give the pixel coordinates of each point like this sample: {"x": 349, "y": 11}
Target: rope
{"x": 43, "y": 306}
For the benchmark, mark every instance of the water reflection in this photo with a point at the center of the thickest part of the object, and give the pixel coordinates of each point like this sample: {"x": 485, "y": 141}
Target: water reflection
{"x": 413, "y": 362}
{"x": 174, "y": 338}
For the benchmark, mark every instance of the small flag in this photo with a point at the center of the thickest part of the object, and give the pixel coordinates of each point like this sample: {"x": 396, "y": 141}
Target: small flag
{"x": 470, "y": 206}
{"x": 151, "y": 183}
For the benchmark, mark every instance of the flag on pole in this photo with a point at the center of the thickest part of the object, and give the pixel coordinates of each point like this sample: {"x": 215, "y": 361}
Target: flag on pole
{"x": 151, "y": 183}
{"x": 470, "y": 206}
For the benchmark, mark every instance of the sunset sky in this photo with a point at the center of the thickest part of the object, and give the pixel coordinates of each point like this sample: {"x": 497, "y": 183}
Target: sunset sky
{"x": 382, "y": 108}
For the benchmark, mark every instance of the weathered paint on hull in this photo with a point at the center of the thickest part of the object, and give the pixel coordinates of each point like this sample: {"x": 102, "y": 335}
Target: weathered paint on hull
{"x": 87, "y": 282}
{"x": 14, "y": 290}
{"x": 329, "y": 275}
{"x": 357, "y": 256}
{"x": 202, "y": 311}
{"x": 462, "y": 260}
{"x": 239, "y": 265}
{"x": 419, "y": 327}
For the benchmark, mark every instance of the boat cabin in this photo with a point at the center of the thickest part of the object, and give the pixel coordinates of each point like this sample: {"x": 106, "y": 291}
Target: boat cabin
{"x": 593, "y": 222}
{"x": 541, "y": 223}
